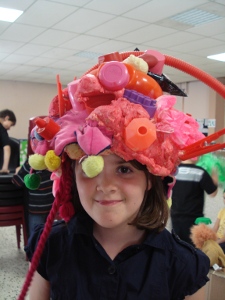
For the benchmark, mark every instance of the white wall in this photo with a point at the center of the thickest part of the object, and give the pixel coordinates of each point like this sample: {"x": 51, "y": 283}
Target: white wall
{"x": 200, "y": 101}
{"x": 26, "y": 100}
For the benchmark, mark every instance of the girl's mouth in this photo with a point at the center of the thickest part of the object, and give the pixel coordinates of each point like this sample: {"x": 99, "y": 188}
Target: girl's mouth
{"x": 108, "y": 202}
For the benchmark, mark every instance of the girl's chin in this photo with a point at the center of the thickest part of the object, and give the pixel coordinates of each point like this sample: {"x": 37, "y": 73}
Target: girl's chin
{"x": 108, "y": 223}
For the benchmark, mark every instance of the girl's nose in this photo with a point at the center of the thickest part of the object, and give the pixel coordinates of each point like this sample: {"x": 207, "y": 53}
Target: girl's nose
{"x": 105, "y": 183}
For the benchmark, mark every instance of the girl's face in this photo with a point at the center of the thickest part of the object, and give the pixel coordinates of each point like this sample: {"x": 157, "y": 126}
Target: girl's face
{"x": 112, "y": 198}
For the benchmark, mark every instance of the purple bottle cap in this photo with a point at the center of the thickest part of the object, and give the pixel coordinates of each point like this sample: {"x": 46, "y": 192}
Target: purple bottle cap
{"x": 147, "y": 103}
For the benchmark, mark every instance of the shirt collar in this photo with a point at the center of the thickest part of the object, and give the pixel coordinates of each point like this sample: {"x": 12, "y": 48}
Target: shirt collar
{"x": 159, "y": 240}
{"x": 82, "y": 223}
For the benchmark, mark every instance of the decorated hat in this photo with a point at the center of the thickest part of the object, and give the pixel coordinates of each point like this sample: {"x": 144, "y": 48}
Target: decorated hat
{"x": 123, "y": 105}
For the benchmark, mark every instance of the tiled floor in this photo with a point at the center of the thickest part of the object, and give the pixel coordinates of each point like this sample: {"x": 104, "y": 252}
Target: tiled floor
{"x": 13, "y": 264}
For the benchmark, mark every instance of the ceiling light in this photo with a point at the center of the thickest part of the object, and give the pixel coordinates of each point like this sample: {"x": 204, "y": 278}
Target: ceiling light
{"x": 9, "y": 15}
{"x": 195, "y": 17}
{"x": 220, "y": 57}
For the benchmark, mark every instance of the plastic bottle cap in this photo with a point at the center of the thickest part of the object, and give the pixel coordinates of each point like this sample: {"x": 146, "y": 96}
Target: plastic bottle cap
{"x": 203, "y": 220}
{"x": 113, "y": 75}
{"x": 146, "y": 102}
{"x": 140, "y": 134}
{"x": 47, "y": 128}
{"x": 40, "y": 122}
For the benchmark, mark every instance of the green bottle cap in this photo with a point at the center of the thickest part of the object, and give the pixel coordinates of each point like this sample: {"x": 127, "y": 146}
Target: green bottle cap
{"x": 203, "y": 220}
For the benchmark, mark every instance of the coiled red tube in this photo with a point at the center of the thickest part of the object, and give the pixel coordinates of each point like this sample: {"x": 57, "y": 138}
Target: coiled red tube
{"x": 197, "y": 73}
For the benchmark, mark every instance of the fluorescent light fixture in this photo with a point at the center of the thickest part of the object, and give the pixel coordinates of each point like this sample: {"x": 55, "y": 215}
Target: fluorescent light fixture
{"x": 195, "y": 17}
{"x": 9, "y": 15}
{"x": 220, "y": 57}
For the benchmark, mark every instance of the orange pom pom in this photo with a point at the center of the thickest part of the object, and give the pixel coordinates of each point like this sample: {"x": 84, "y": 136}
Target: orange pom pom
{"x": 202, "y": 233}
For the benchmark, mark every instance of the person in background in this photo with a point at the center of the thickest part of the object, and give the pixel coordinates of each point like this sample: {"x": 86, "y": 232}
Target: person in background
{"x": 7, "y": 120}
{"x": 219, "y": 226}
{"x": 188, "y": 196}
{"x": 39, "y": 201}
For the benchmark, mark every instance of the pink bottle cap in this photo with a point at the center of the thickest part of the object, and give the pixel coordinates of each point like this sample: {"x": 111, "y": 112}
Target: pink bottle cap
{"x": 158, "y": 67}
{"x": 113, "y": 75}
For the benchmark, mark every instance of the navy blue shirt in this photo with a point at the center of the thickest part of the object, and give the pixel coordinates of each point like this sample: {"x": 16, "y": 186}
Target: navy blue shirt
{"x": 163, "y": 267}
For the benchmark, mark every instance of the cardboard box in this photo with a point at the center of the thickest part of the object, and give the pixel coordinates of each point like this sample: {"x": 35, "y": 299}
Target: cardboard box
{"x": 215, "y": 287}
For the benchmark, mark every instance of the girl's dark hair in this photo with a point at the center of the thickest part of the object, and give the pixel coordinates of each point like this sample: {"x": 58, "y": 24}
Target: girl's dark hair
{"x": 154, "y": 210}
{"x": 8, "y": 113}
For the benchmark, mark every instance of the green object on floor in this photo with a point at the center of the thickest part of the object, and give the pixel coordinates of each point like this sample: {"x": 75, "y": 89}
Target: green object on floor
{"x": 203, "y": 220}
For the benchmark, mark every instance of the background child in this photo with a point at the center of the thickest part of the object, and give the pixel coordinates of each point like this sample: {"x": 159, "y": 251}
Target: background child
{"x": 39, "y": 200}
{"x": 219, "y": 226}
{"x": 7, "y": 120}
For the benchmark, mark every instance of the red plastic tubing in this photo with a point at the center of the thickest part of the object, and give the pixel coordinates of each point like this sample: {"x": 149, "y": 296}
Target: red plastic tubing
{"x": 197, "y": 73}
{"x": 181, "y": 65}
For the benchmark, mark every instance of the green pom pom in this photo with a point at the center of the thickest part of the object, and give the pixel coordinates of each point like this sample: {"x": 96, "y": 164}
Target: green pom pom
{"x": 32, "y": 181}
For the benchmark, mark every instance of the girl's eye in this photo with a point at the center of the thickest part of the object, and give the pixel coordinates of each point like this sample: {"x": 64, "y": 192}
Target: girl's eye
{"x": 124, "y": 170}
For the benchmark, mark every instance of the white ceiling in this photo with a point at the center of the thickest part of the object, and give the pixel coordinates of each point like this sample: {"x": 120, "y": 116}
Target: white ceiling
{"x": 50, "y": 36}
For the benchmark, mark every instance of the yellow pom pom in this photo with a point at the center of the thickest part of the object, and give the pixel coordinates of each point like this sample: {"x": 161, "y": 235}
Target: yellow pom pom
{"x": 37, "y": 162}
{"x": 93, "y": 165}
{"x": 52, "y": 161}
{"x": 169, "y": 202}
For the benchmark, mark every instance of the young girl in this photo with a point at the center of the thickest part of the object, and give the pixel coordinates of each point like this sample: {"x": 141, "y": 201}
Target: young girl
{"x": 109, "y": 150}
{"x": 219, "y": 226}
